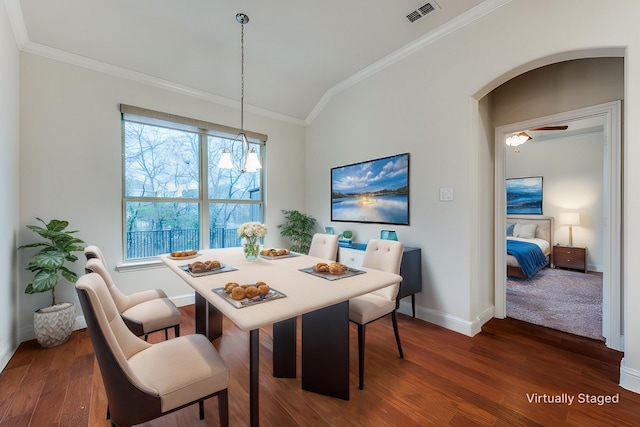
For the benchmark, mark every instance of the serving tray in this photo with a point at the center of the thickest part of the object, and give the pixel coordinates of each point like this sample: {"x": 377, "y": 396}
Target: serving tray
{"x": 223, "y": 269}
{"x": 349, "y": 273}
{"x": 247, "y": 302}
{"x": 289, "y": 255}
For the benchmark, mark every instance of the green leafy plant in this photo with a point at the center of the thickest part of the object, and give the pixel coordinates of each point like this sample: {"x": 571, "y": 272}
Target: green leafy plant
{"x": 49, "y": 264}
{"x": 298, "y": 228}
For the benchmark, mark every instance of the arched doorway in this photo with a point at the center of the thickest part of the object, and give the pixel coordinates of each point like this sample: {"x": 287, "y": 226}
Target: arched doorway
{"x": 611, "y": 116}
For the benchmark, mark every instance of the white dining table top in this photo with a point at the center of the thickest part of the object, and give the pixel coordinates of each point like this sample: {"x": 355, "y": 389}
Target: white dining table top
{"x": 304, "y": 292}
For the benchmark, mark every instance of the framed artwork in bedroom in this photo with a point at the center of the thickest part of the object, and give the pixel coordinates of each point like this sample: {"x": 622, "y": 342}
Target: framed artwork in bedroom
{"x": 524, "y": 195}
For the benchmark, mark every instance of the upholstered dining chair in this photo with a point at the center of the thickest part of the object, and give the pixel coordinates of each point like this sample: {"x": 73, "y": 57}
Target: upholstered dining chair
{"x": 384, "y": 255}
{"x": 143, "y": 312}
{"x": 324, "y": 246}
{"x": 145, "y": 381}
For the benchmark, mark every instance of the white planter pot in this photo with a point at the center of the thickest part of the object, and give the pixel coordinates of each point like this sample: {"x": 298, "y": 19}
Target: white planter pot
{"x": 53, "y": 325}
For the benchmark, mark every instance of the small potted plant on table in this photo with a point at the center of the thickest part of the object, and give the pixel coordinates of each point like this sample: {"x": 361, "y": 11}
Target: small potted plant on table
{"x": 53, "y": 324}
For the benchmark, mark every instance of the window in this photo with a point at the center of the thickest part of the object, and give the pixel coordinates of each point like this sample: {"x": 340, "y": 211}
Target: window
{"x": 174, "y": 195}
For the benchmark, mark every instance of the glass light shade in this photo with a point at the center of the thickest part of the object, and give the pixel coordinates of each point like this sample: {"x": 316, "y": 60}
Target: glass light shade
{"x": 252, "y": 163}
{"x": 225, "y": 160}
{"x": 516, "y": 139}
{"x": 569, "y": 218}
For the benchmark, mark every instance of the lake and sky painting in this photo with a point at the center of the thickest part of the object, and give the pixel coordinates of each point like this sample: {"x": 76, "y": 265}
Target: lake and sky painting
{"x": 524, "y": 195}
{"x": 372, "y": 191}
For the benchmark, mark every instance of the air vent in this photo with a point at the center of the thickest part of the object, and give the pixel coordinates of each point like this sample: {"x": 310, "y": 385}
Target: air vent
{"x": 421, "y": 11}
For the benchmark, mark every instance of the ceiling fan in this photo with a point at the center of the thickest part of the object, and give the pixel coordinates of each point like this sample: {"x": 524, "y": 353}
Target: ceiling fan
{"x": 521, "y": 137}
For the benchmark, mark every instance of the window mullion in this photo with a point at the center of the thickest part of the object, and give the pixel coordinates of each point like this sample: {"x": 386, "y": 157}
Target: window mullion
{"x": 204, "y": 192}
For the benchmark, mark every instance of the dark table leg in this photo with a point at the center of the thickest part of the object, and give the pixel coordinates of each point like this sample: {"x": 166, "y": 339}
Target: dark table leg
{"x": 413, "y": 304}
{"x": 208, "y": 319}
{"x": 325, "y": 351}
{"x": 284, "y": 348}
{"x": 254, "y": 384}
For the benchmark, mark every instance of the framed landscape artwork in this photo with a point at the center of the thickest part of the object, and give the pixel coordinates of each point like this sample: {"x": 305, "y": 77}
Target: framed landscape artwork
{"x": 373, "y": 191}
{"x": 524, "y": 195}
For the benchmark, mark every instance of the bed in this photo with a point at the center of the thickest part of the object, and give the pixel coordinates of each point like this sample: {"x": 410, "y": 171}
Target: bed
{"x": 529, "y": 244}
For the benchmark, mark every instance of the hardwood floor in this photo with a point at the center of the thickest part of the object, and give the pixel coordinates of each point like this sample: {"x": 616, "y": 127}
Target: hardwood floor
{"x": 446, "y": 378}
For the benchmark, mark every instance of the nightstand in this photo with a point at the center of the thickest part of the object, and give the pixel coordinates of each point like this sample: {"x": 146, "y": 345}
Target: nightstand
{"x": 570, "y": 257}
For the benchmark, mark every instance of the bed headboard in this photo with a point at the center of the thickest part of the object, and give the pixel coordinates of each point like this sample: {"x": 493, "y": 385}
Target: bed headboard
{"x": 545, "y": 225}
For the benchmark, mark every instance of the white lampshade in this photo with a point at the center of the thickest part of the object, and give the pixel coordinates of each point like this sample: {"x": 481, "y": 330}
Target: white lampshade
{"x": 225, "y": 160}
{"x": 569, "y": 218}
{"x": 252, "y": 162}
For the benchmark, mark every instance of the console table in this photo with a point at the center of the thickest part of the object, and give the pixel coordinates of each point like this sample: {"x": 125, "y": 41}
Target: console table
{"x": 410, "y": 269}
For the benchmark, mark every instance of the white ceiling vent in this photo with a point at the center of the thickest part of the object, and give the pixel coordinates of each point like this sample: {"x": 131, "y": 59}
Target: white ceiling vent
{"x": 421, "y": 11}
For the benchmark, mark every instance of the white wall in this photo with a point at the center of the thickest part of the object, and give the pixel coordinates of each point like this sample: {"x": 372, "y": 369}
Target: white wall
{"x": 70, "y": 164}
{"x": 572, "y": 171}
{"x": 426, "y": 105}
{"x": 9, "y": 137}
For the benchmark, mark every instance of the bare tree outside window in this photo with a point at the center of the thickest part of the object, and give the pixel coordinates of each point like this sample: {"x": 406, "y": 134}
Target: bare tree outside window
{"x": 170, "y": 195}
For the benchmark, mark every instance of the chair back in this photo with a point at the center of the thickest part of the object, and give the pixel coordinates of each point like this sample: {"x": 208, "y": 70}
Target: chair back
{"x": 106, "y": 324}
{"x": 324, "y": 246}
{"x": 113, "y": 345}
{"x": 384, "y": 255}
{"x": 95, "y": 265}
{"x": 92, "y": 251}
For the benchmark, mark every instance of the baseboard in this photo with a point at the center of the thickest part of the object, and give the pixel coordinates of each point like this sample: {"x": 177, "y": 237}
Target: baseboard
{"x": 456, "y": 324}
{"x": 629, "y": 378}
{"x": 6, "y": 354}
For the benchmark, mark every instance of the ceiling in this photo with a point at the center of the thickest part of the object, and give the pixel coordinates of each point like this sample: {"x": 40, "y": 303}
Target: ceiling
{"x": 297, "y": 53}
{"x": 575, "y": 127}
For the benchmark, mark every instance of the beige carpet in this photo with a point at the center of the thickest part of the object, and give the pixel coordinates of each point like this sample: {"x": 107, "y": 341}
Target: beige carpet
{"x": 566, "y": 300}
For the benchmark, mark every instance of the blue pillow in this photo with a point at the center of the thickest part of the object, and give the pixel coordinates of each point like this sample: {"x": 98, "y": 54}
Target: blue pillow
{"x": 510, "y": 227}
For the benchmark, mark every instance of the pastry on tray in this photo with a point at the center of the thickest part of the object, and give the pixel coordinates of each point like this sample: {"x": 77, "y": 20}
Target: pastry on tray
{"x": 275, "y": 252}
{"x": 204, "y": 266}
{"x": 334, "y": 268}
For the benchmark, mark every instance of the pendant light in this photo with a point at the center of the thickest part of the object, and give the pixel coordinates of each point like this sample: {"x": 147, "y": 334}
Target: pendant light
{"x": 250, "y": 161}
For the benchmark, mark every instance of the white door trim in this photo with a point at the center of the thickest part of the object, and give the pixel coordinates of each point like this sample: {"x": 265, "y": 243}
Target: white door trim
{"x": 612, "y": 262}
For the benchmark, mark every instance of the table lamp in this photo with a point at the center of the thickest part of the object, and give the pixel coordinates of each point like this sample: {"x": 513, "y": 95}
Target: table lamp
{"x": 570, "y": 219}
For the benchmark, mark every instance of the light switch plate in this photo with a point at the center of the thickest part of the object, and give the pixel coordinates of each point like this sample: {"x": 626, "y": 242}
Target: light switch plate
{"x": 446, "y": 194}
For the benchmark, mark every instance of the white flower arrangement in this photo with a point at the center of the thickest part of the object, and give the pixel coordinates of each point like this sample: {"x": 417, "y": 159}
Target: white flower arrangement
{"x": 252, "y": 229}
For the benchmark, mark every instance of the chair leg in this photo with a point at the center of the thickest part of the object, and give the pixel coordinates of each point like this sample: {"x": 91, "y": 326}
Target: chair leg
{"x": 166, "y": 334}
{"x": 223, "y": 408}
{"x": 361, "y": 330}
{"x": 395, "y": 330}
{"x": 201, "y": 408}
{"x": 177, "y": 330}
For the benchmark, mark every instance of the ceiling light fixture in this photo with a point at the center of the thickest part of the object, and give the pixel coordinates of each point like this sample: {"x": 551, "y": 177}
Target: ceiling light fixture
{"x": 518, "y": 138}
{"x": 250, "y": 161}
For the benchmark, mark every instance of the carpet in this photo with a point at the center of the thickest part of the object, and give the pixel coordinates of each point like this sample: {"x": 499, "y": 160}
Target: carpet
{"x": 565, "y": 300}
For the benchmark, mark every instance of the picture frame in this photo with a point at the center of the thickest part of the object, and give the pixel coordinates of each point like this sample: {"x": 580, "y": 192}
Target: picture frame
{"x": 372, "y": 191}
{"x": 524, "y": 195}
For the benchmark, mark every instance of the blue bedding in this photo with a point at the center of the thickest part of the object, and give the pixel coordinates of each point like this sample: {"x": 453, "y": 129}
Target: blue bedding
{"x": 529, "y": 256}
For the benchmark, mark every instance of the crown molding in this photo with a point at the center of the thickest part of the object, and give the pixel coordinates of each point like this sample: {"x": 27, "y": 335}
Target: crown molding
{"x": 455, "y": 24}
{"x": 16, "y": 19}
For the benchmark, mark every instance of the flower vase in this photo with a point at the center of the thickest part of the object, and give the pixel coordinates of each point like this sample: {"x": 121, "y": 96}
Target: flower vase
{"x": 251, "y": 248}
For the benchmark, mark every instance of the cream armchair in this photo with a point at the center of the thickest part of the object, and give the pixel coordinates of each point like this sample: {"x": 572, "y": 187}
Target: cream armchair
{"x": 143, "y": 312}
{"x": 144, "y": 381}
{"x": 385, "y": 255}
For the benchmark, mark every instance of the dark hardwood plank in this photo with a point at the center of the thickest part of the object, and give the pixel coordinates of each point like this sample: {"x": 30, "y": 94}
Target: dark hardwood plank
{"x": 445, "y": 379}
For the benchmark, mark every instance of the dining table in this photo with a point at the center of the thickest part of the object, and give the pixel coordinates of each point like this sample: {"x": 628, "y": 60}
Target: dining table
{"x": 320, "y": 299}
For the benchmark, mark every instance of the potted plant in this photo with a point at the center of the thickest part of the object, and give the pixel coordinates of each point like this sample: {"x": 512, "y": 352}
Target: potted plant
{"x": 298, "y": 228}
{"x": 53, "y": 324}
